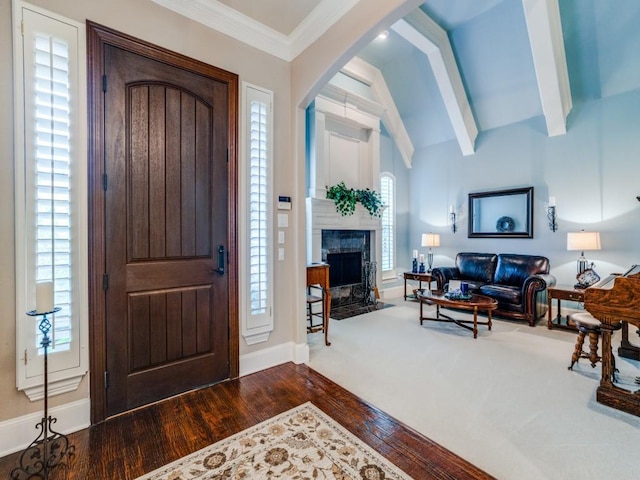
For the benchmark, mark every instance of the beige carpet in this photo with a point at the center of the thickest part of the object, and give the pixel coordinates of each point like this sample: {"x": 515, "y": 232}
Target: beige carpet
{"x": 505, "y": 401}
{"x": 302, "y": 443}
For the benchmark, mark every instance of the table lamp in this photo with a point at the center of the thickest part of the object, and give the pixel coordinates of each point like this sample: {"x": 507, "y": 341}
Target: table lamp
{"x": 430, "y": 240}
{"x": 583, "y": 241}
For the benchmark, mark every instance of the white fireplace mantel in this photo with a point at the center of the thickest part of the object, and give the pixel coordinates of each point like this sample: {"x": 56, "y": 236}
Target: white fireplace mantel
{"x": 344, "y": 146}
{"x": 322, "y": 215}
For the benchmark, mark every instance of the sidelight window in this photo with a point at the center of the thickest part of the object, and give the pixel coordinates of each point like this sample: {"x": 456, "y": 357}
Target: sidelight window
{"x": 256, "y": 307}
{"x": 50, "y": 171}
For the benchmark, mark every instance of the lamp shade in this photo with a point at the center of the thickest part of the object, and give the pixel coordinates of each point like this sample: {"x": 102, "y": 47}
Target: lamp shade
{"x": 430, "y": 240}
{"x": 583, "y": 241}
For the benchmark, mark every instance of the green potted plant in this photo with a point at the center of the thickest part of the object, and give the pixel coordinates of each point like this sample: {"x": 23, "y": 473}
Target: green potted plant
{"x": 346, "y": 198}
{"x": 370, "y": 199}
{"x": 343, "y": 197}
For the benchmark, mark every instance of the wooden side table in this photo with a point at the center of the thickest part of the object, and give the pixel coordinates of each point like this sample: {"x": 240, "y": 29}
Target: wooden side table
{"x": 562, "y": 292}
{"x": 419, "y": 277}
{"x": 318, "y": 274}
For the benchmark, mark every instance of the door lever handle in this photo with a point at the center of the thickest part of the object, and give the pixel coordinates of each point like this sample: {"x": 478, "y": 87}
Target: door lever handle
{"x": 220, "y": 269}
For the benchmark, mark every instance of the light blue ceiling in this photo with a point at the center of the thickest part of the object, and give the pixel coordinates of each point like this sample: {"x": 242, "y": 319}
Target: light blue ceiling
{"x": 490, "y": 41}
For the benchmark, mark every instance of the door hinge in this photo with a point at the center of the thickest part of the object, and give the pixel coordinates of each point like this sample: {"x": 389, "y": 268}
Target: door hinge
{"x": 104, "y": 83}
{"x": 105, "y": 281}
{"x": 25, "y": 356}
{"x": 106, "y": 380}
{"x": 104, "y": 181}
{"x": 227, "y": 155}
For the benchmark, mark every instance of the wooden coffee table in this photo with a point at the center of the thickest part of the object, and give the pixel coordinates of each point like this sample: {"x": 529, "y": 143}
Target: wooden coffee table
{"x": 477, "y": 303}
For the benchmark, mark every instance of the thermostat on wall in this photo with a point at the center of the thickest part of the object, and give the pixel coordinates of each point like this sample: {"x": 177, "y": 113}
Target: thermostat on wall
{"x": 284, "y": 203}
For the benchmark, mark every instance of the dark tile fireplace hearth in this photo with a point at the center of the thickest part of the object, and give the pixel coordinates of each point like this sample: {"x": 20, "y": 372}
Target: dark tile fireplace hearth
{"x": 348, "y": 253}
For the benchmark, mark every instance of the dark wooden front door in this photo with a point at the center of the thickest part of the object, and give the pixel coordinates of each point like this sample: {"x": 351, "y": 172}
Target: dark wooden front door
{"x": 166, "y": 229}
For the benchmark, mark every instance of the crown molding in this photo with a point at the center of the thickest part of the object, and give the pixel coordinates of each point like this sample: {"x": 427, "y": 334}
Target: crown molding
{"x": 224, "y": 19}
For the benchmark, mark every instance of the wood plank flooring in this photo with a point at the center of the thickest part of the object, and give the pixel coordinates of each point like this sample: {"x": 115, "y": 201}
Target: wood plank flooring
{"x": 129, "y": 445}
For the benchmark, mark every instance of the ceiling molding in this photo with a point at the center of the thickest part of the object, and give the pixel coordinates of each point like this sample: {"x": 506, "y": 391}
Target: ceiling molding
{"x": 426, "y": 35}
{"x": 373, "y": 77}
{"x": 549, "y": 59}
{"x": 222, "y": 18}
{"x": 346, "y": 98}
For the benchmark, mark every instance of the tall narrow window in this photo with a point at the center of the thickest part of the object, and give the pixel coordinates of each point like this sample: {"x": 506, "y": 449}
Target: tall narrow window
{"x": 387, "y": 193}
{"x": 256, "y": 310}
{"x": 50, "y": 195}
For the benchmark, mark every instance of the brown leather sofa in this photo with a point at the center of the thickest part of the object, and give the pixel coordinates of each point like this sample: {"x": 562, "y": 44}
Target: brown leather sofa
{"x": 518, "y": 282}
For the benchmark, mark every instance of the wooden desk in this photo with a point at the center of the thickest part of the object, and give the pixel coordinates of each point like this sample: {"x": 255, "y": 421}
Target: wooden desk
{"x": 419, "y": 277}
{"x": 562, "y": 292}
{"x": 318, "y": 274}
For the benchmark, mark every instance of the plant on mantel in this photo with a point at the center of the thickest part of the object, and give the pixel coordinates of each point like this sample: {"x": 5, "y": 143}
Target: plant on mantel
{"x": 346, "y": 198}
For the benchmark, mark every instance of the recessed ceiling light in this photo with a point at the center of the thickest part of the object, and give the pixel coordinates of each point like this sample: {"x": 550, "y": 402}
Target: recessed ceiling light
{"x": 383, "y": 35}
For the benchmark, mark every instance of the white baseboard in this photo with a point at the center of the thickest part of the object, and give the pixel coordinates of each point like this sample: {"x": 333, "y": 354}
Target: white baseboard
{"x": 270, "y": 357}
{"x": 16, "y": 434}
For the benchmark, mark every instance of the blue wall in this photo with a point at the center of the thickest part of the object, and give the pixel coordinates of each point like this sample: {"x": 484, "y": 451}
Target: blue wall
{"x": 593, "y": 171}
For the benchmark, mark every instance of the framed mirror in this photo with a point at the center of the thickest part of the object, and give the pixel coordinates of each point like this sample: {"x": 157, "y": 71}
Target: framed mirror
{"x": 501, "y": 214}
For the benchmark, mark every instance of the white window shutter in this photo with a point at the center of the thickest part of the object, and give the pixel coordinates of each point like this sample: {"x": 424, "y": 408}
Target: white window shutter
{"x": 257, "y": 238}
{"x": 387, "y": 195}
{"x": 51, "y": 196}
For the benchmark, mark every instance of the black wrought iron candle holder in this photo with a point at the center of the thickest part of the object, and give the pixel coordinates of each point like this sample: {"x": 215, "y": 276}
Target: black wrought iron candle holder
{"x": 50, "y": 449}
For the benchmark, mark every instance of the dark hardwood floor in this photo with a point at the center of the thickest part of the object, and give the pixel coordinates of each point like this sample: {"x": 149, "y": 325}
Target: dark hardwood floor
{"x": 140, "y": 441}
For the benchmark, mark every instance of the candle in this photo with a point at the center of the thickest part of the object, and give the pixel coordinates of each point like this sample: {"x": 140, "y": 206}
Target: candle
{"x": 422, "y": 258}
{"x": 452, "y": 209}
{"x": 44, "y": 297}
{"x": 415, "y": 254}
{"x": 552, "y": 201}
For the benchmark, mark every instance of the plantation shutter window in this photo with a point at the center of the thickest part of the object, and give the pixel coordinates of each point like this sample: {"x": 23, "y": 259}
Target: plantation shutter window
{"x": 51, "y": 196}
{"x": 256, "y": 240}
{"x": 258, "y": 208}
{"x": 387, "y": 194}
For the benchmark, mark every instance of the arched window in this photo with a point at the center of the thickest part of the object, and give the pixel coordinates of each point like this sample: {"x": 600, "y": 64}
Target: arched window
{"x": 388, "y": 194}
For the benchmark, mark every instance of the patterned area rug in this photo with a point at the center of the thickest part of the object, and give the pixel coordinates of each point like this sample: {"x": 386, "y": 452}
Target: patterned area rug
{"x": 302, "y": 443}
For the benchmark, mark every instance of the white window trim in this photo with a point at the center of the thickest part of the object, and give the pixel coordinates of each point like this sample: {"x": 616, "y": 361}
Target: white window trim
{"x": 254, "y": 328}
{"x": 388, "y": 275}
{"x": 66, "y": 369}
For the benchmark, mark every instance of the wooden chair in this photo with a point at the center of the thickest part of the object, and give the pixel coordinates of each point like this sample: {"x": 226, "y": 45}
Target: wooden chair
{"x": 588, "y": 325}
{"x": 318, "y": 279}
{"x": 315, "y": 299}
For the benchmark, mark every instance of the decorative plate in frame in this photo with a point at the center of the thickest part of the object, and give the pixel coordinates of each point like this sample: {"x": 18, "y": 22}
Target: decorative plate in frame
{"x": 505, "y": 224}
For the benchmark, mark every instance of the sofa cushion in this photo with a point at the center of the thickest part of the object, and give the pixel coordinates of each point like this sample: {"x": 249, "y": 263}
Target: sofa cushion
{"x": 515, "y": 269}
{"x": 478, "y": 267}
{"x": 504, "y": 294}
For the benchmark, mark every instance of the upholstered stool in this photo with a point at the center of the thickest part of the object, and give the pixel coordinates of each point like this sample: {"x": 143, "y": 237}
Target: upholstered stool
{"x": 587, "y": 324}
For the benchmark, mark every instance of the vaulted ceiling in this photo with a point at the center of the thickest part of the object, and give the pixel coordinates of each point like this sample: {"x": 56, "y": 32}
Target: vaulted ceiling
{"x": 456, "y": 68}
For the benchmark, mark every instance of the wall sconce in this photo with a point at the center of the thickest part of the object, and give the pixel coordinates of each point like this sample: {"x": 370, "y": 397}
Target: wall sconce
{"x": 452, "y": 215}
{"x": 430, "y": 240}
{"x": 551, "y": 214}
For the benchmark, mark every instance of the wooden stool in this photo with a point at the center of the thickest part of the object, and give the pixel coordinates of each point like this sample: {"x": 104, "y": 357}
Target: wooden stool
{"x": 587, "y": 324}
{"x": 313, "y": 299}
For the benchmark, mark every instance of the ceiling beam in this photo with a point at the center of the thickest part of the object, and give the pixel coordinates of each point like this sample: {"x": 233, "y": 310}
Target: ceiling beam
{"x": 373, "y": 77}
{"x": 426, "y": 35}
{"x": 547, "y": 48}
